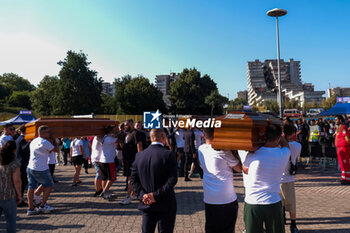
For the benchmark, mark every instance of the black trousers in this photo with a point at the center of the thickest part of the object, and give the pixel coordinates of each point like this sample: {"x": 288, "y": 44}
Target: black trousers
{"x": 52, "y": 169}
{"x": 197, "y": 166}
{"x": 188, "y": 162}
{"x": 24, "y": 179}
{"x": 86, "y": 164}
{"x": 65, "y": 155}
{"x": 182, "y": 161}
{"x": 221, "y": 218}
{"x": 165, "y": 220}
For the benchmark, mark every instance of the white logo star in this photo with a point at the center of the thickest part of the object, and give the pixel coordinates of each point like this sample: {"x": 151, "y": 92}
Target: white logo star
{"x": 156, "y": 115}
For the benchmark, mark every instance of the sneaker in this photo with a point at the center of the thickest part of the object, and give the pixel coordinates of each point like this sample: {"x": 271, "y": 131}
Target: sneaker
{"x": 106, "y": 195}
{"x": 46, "y": 208}
{"x": 33, "y": 211}
{"x": 97, "y": 193}
{"x": 187, "y": 179}
{"x": 294, "y": 230}
{"x": 126, "y": 201}
{"x": 133, "y": 197}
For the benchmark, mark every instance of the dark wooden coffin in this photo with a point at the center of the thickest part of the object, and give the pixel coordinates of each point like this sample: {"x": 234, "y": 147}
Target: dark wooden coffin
{"x": 242, "y": 130}
{"x": 70, "y": 127}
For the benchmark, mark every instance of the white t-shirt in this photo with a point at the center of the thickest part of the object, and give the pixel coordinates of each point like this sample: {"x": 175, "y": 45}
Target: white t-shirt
{"x": 96, "y": 149}
{"x": 197, "y": 138}
{"x": 179, "y": 137}
{"x": 265, "y": 168}
{"x": 217, "y": 175}
{"x": 108, "y": 149}
{"x": 295, "y": 149}
{"x": 52, "y": 158}
{"x": 4, "y": 138}
{"x": 75, "y": 147}
{"x": 40, "y": 149}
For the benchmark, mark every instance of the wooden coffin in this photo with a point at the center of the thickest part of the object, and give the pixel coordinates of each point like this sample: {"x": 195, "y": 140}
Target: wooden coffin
{"x": 242, "y": 131}
{"x": 70, "y": 127}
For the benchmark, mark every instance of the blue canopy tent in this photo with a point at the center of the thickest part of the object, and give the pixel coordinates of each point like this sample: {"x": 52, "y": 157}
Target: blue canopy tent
{"x": 21, "y": 119}
{"x": 337, "y": 109}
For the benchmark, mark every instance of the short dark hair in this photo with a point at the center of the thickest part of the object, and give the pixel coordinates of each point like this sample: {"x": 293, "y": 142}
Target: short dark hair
{"x": 22, "y": 129}
{"x": 273, "y": 132}
{"x": 288, "y": 130}
{"x": 6, "y": 153}
{"x": 208, "y": 133}
{"x": 130, "y": 121}
{"x": 109, "y": 128}
{"x": 8, "y": 125}
{"x": 340, "y": 117}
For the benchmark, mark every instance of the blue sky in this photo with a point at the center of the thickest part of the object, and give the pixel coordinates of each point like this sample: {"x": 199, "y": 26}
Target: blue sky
{"x": 156, "y": 37}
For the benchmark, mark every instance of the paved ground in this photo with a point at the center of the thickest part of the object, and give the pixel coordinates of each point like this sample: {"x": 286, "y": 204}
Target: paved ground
{"x": 322, "y": 205}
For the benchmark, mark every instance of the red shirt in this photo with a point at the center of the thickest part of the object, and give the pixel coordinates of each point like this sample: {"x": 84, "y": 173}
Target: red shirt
{"x": 340, "y": 136}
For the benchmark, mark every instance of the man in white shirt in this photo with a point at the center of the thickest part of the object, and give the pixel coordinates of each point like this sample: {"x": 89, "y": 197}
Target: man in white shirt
{"x": 108, "y": 168}
{"x": 77, "y": 155}
{"x": 96, "y": 151}
{"x": 287, "y": 181}
{"x": 38, "y": 169}
{"x": 263, "y": 171}
{"x": 178, "y": 133}
{"x": 220, "y": 198}
{"x": 9, "y": 132}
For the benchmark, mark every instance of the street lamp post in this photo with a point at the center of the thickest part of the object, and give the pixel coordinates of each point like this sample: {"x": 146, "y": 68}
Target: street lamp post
{"x": 278, "y": 13}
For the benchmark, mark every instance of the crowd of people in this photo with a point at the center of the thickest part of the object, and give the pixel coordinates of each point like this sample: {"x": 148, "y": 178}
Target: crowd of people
{"x": 153, "y": 160}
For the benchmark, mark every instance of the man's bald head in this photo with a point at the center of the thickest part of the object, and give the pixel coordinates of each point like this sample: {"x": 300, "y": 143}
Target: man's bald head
{"x": 157, "y": 135}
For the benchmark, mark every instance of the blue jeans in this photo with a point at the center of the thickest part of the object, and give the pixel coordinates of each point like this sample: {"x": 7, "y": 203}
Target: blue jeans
{"x": 9, "y": 207}
{"x": 35, "y": 178}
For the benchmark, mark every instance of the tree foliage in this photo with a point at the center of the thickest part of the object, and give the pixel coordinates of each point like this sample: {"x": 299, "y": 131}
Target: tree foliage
{"x": 44, "y": 97}
{"x": 329, "y": 102}
{"x": 20, "y": 99}
{"x": 79, "y": 89}
{"x": 272, "y": 105}
{"x": 136, "y": 95}
{"x": 10, "y": 82}
{"x": 188, "y": 93}
{"x": 236, "y": 104}
{"x": 215, "y": 100}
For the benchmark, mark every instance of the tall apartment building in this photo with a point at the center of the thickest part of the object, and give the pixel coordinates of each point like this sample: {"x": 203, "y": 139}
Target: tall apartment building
{"x": 163, "y": 84}
{"x": 339, "y": 91}
{"x": 108, "y": 88}
{"x": 263, "y": 83}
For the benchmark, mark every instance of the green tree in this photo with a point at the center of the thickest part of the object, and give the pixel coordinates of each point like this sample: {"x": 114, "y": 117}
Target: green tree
{"x": 79, "y": 89}
{"x": 215, "y": 100}
{"x": 136, "y": 95}
{"x": 272, "y": 105}
{"x": 108, "y": 104}
{"x": 288, "y": 104}
{"x": 20, "y": 99}
{"x": 236, "y": 104}
{"x": 45, "y": 96}
{"x": 309, "y": 105}
{"x": 10, "y": 82}
{"x": 329, "y": 102}
{"x": 188, "y": 93}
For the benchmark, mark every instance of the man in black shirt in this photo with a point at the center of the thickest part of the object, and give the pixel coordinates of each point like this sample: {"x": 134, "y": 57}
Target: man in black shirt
{"x": 131, "y": 146}
{"x": 189, "y": 150}
{"x": 302, "y": 137}
{"x": 142, "y": 134}
{"x": 22, "y": 156}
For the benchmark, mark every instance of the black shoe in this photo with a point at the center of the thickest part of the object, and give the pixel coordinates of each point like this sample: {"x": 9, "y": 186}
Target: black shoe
{"x": 187, "y": 179}
{"x": 22, "y": 204}
{"x": 98, "y": 193}
{"x": 344, "y": 182}
{"x": 86, "y": 172}
{"x": 55, "y": 181}
{"x": 294, "y": 230}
